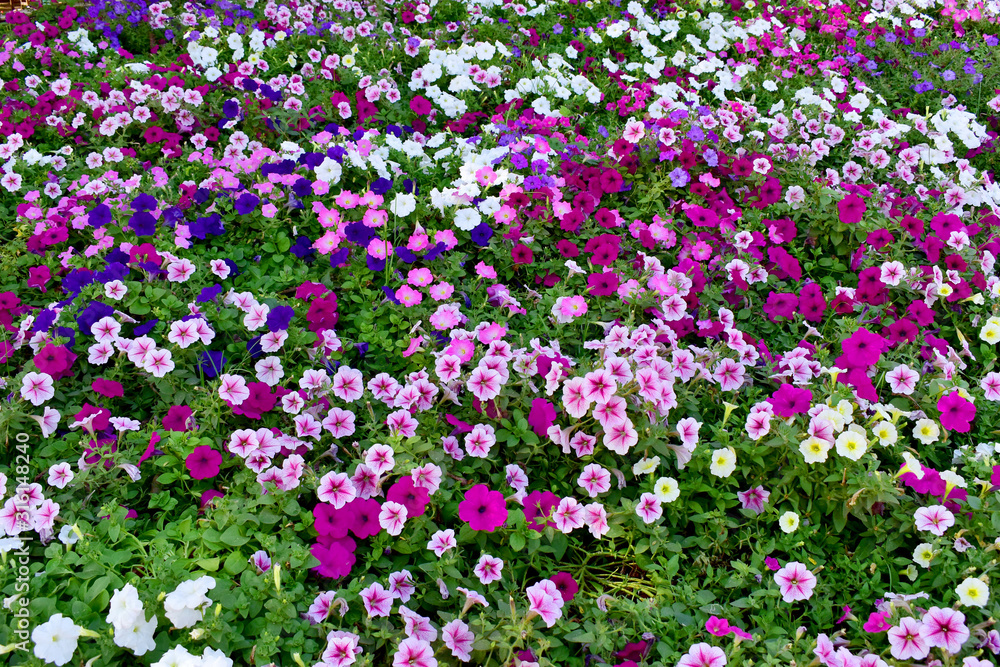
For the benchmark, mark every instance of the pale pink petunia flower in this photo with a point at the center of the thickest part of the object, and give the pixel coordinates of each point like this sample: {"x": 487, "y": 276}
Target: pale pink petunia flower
{"x": 596, "y": 520}
{"x": 392, "y": 517}
{"x": 380, "y": 458}
{"x": 413, "y": 652}
{"x": 574, "y": 397}
{"x": 401, "y": 586}
{"x": 480, "y": 440}
{"x": 49, "y": 420}
{"x": 703, "y": 655}
{"x": 488, "y": 569}
{"x": 106, "y": 330}
{"x": 37, "y": 388}
{"x": 568, "y": 515}
{"x": 729, "y": 374}
{"x": 60, "y": 475}
{"x": 648, "y": 508}
{"x": 795, "y": 581}
{"x": 545, "y": 600}
{"x": 339, "y": 422}
{"x": 377, "y": 600}
{"x": 595, "y": 479}
{"x": 348, "y": 384}
{"x": 610, "y": 412}
{"x": 990, "y": 384}
{"x": 417, "y": 626}
{"x": 935, "y": 519}
{"x": 907, "y": 640}
{"x": 687, "y": 429}
{"x": 459, "y": 639}
{"x": 758, "y": 425}
{"x": 427, "y": 476}
{"x": 620, "y": 438}
{"x": 307, "y": 426}
{"x": 336, "y": 488}
{"x": 484, "y": 383}
{"x": 314, "y": 380}
{"x": 599, "y": 386}
{"x": 401, "y": 422}
{"x": 233, "y": 388}
{"x": 945, "y": 628}
{"x": 902, "y": 379}
{"x": 182, "y": 334}
{"x": 442, "y": 541}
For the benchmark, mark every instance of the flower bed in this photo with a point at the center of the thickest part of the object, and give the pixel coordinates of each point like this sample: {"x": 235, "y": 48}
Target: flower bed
{"x": 499, "y": 333}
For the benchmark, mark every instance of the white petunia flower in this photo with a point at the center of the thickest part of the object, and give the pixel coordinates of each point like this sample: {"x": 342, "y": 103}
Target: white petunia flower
{"x": 55, "y": 640}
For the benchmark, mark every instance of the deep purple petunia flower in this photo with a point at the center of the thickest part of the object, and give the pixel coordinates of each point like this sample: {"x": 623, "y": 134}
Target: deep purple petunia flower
{"x": 246, "y": 203}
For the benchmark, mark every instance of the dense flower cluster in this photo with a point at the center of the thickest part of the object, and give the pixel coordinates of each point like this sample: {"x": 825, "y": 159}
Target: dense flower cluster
{"x": 500, "y": 333}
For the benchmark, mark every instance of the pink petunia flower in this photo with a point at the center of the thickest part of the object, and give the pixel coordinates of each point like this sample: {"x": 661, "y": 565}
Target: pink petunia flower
{"x": 935, "y": 519}
{"x": 907, "y": 640}
{"x": 595, "y": 479}
{"x": 902, "y": 379}
{"x": 377, "y": 600}
{"x": 795, "y": 581}
{"x": 703, "y": 655}
{"x": 729, "y": 374}
{"x": 488, "y": 569}
{"x": 442, "y": 541}
{"x": 459, "y": 639}
{"x": 945, "y": 628}
{"x": 544, "y": 600}
{"x": 648, "y": 508}
{"x": 392, "y": 517}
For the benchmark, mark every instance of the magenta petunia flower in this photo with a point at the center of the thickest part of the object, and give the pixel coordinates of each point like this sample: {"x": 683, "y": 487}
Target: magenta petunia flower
{"x": 203, "y": 462}
{"x": 541, "y": 416}
{"x": 565, "y": 584}
{"x": 718, "y": 626}
{"x": 538, "y": 507}
{"x": 108, "y": 388}
{"x": 177, "y": 418}
{"x": 876, "y": 622}
{"x": 336, "y": 558}
{"x": 862, "y": 349}
{"x": 790, "y": 400}
{"x": 412, "y": 497}
{"x": 851, "y": 209}
{"x": 483, "y": 509}
{"x": 956, "y": 412}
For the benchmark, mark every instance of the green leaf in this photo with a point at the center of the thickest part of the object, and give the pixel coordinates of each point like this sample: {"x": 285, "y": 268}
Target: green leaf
{"x": 96, "y": 588}
{"x": 235, "y": 563}
{"x": 208, "y": 564}
{"x": 517, "y": 542}
{"x": 232, "y": 537}
{"x": 580, "y": 636}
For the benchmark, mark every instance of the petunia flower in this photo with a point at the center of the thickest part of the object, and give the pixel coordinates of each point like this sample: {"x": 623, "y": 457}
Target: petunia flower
{"x": 908, "y": 640}
{"x": 945, "y": 628}
{"x": 795, "y": 581}
{"x": 703, "y": 655}
{"x": 203, "y": 462}
{"x": 483, "y": 509}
